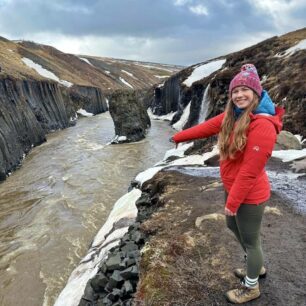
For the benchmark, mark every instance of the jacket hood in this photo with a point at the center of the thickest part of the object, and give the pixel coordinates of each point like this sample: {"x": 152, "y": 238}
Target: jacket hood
{"x": 277, "y": 119}
{"x": 266, "y": 105}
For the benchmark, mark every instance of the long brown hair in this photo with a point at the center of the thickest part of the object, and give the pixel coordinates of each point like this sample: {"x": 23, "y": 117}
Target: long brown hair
{"x": 232, "y": 137}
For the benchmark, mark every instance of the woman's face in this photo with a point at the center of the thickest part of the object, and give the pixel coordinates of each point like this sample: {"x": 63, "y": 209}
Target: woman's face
{"x": 242, "y": 96}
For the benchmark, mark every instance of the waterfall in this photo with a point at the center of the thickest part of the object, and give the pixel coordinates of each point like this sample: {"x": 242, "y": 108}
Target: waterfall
{"x": 204, "y": 105}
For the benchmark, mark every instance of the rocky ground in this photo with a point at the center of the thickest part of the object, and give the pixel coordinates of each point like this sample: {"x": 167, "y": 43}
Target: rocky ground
{"x": 189, "y": 255}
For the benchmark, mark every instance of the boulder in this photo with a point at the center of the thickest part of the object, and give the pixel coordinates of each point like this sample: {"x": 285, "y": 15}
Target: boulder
{"x": 287, "y": 141}
{"x": 130, "y": 116}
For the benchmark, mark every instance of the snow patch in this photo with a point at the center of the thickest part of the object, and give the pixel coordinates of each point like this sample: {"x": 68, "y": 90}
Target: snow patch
{"x": 118, "y": 139}
{"x": 300, "y": 46}
{"x": 130, "y": 74}
{"x": 84, "y": 113}
{"x": 289, "y": 155}
{"x": 44, "y": 72}
{"x": 184, "y": 118}
{"x": 86, "y": 60}
{"x": 125, "y": 82}
{"x": 203, "y": 71}
{"x": 154, "y": 67}
{"x": 167, "y": 117}
{"x": 300, "y": 139}
{"x": 161, "y": 76}
{"x": 179, "y": 151}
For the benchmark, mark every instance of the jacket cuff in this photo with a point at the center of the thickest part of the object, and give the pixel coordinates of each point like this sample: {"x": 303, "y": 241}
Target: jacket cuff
{"x": 232, "y": 208}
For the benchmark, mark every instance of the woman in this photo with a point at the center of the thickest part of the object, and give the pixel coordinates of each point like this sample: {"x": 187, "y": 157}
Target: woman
{"x": 247, "y": 133}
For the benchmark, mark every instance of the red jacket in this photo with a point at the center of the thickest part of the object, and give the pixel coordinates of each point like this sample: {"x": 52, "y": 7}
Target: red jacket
{"x": 244, "y": 177}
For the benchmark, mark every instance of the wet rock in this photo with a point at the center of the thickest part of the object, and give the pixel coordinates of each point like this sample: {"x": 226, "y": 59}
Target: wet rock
{"x": 130, "y": 116}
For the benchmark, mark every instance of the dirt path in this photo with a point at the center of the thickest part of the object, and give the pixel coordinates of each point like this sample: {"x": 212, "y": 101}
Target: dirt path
{"x": 191, "y": 254}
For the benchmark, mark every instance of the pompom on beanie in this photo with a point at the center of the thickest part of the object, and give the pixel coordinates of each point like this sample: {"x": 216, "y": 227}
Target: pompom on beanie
{"x": 248, "y": 77}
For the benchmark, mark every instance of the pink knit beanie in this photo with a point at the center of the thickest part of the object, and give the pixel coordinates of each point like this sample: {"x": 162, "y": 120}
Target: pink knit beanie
{"x": 248, "y": 77}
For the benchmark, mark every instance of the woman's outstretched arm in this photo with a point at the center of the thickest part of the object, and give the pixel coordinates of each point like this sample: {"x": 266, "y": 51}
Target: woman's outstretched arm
{"x": 203, "y": 130}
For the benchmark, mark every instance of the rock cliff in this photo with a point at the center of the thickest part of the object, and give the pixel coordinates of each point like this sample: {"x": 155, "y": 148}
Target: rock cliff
{"x": 280, "y": 62}
{"x": 129, "y": 115}
{"x": 29, "y": 109}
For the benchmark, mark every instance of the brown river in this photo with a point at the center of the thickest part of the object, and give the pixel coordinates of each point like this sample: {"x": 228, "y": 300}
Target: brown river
{"x": 52, "y": 207}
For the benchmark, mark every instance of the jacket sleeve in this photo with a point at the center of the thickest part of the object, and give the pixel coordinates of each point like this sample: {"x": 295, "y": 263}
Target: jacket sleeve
{"x": 260, "y": 143}
{"x": 202, "y": 130}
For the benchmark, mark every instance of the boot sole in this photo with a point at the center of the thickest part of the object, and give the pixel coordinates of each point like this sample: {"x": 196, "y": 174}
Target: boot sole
{"x": 227, "y": 298}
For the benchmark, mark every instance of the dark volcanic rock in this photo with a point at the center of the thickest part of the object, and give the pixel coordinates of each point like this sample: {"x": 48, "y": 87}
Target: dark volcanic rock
{"x": 282, "y": 75}
{"x": 29, "y": 109}
{"x": 89, "y": 98}
{"x": 129, "y": 115}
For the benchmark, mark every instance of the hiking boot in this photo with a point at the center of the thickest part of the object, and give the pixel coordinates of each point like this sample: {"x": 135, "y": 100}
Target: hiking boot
{"x": 243, "y": 294}
{"x": 241, "y": 273}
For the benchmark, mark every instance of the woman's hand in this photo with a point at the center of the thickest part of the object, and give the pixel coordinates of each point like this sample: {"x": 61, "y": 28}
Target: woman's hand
{"x": 171, "y": 140}
{"x": 228, "y": 212}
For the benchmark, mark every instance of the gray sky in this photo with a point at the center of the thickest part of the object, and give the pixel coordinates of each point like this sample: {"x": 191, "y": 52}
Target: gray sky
{"x": 167, "y": 31}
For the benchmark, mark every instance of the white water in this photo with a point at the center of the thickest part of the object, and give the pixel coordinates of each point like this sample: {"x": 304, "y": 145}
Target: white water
{"x": 204, "y": 105}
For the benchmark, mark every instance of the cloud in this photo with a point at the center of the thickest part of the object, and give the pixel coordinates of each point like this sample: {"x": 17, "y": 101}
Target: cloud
{"x": 282, "y": 12}
{"x": 199, "y": 10}
{"x": 174, "y": 31}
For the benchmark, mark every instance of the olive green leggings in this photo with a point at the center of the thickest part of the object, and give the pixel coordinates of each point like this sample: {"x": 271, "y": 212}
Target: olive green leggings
{"x": 246, "y": 227}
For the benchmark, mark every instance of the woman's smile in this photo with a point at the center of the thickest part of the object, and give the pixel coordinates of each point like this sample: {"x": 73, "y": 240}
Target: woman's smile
{"x": 242, "y": 96}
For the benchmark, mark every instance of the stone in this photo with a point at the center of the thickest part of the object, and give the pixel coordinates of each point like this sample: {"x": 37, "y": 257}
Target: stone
{"x": 114, "y": 295}
{"x": 116, "y": 279}
{"x": 99, "y": 282}
{"x": 118, "y": 303}
{"x": 106, "y": 302}
{"x": 128, "y": 302}
{"x": 103, "y": 268}
{"x": 130, "y": 116}
{"x": 144, "y": 200}
{"x": 286, "y": 141}
{"x": 130, "y": 261}
{"x": 89, "y": 293}
{"x": 130, "y": 246}
{"x": 138, "y": 237}
{"x": 84, "y": 302}
{"x": 128, "y": 287}
{"x": 113, "y": 262}
{"x": 133, "y": 254}
{"x": 130, "y": 273}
